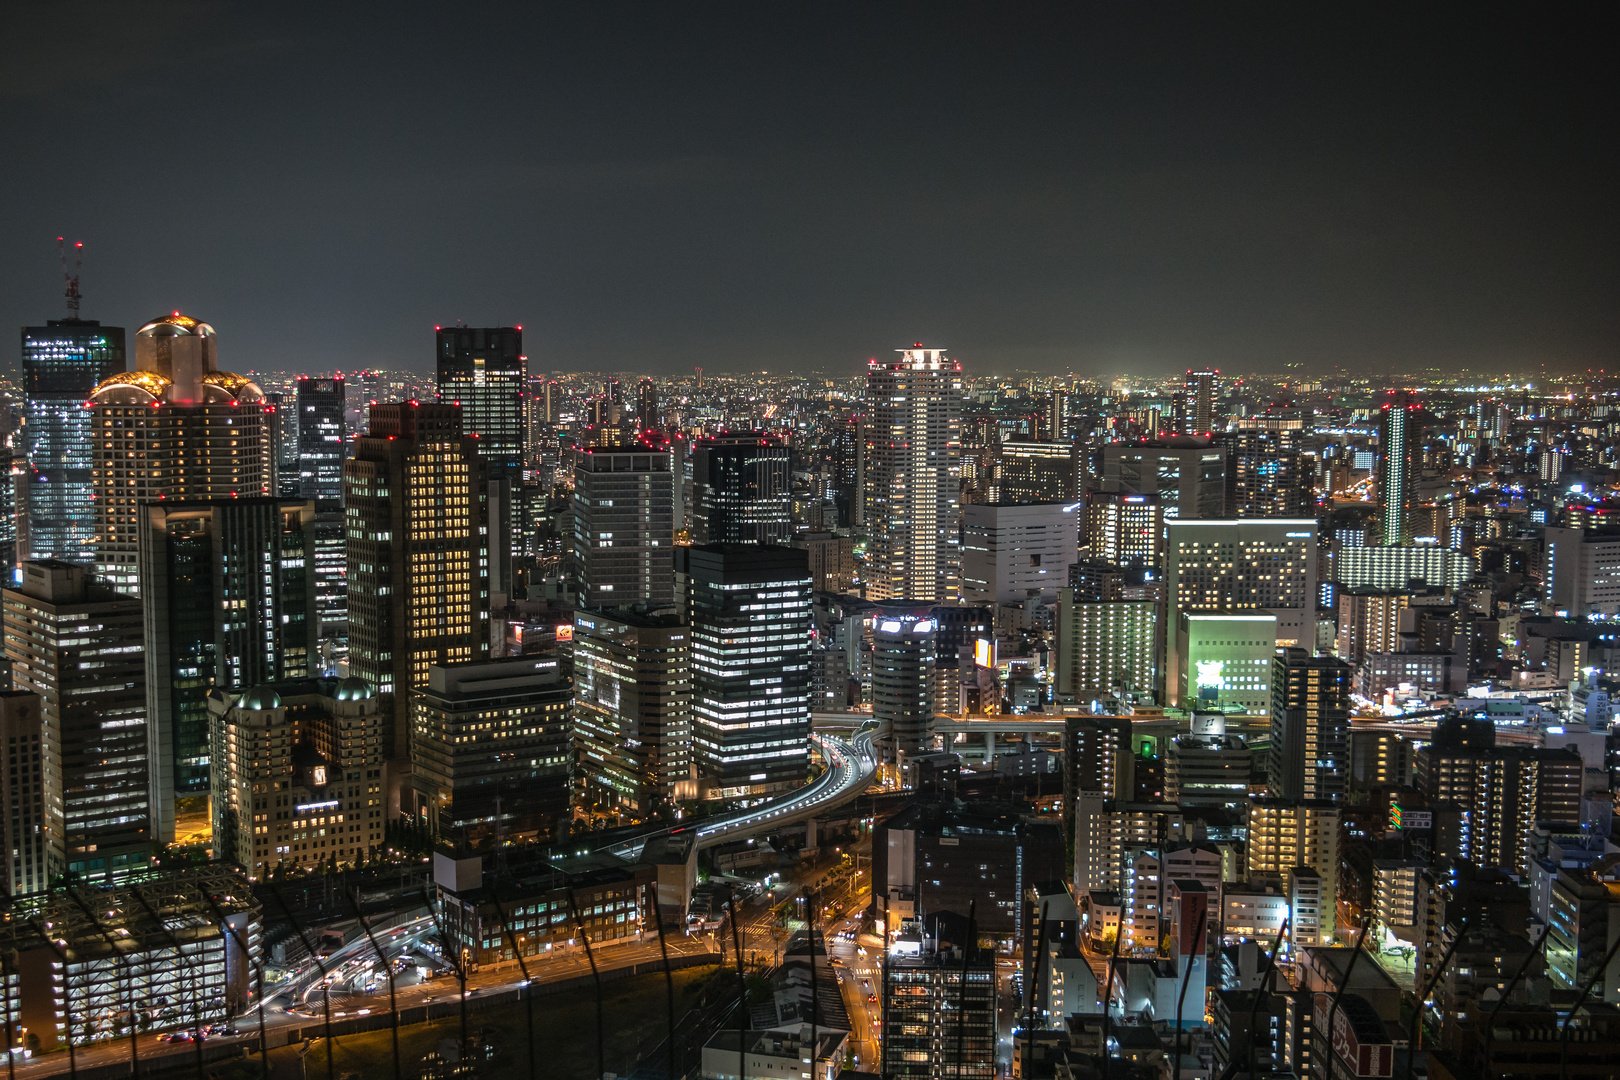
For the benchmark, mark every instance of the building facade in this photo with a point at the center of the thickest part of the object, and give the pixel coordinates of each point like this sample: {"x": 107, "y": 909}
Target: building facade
{"x": 1013, "y": 553}
{"x": 62, "y": 364}
{"x": 912, "y": 468}
{"x": 322, "y": 438}
{"x": 742, "y": 486}
{"x": 624, "y": 528}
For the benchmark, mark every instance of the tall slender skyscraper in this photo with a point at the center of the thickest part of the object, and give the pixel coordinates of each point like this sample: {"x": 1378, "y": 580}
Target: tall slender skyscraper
{"x": 228, "y": 592}
{"x": 77, "y": 644}
{"x": 742, "y": 484}
{"x": 62, "y": 363}
{"x": 748, "y": 606}
{"x": 482, "y": 369}
{"x": 415, "y": 503}
{"x": 176, "y": 427}
{"x": 913, "y": 445}
{"x": 1310, "y": 723}
{"x": 647, "y": 418}
{"x": 321, "y": 438}
{"x": 903, "y": 678}
{"x": 1201, "y": 388}
{"x": 624, "y": 528}
{"x": 1399, "y": 431}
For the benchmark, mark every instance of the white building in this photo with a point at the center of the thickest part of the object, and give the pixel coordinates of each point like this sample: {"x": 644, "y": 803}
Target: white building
{"x": 1583, "y": 571}
{"x": 912, "y": 449}
{"x": 1241, "y": 566}
{"x": 1395, "y": 567}
{"x": 1011, "y": 553}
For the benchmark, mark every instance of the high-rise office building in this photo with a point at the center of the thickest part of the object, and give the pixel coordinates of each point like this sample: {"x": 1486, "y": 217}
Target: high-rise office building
{"x": 1369, "y": 622}
{"x": 624, "y": 528}
{"x": 1201, "y": 388}
{"x": 418, "y": 557}
{"x": 1186, "y": 472}
{"x": 321, "y": 438}
{"x": 176, "y": 427}
{"x": 361, "y": 390}
{"x": 482, "y": 369}
{"x": 30, "y": 795}
{"x": 1241, "y": 567}
{"x": 913, "y": 442}
{"x": 228, "y": 595}
{"x": 1035, "y": 472}
{"x": 1398, "y": 567}
{"x": 1310, "y": 724}
{"x": 77, "y": 644}
{"x": 742, "y": 487}
{"x": 1124, "y": 529}
{"x": 1400, "y": 430}
{"x": 298, "y": 783}
{"x": 633, "y": 711}
{"x": 1106, "y": 647}
{"x": 647, "y": 415}
{"x": 331, "y": 586}
{"x": 939, "y": 1010}
{"x": 1267, "y": 474}
{"x": 62, "y": 364}
{"x": 903, "y": 678}
{"x": 748, "y": 606}
{"x": 1013, "y": 553}
{"x": 490, "y": 750}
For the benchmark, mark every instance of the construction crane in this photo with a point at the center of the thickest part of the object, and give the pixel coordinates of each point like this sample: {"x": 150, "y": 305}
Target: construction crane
{"x": 71, "y": 280}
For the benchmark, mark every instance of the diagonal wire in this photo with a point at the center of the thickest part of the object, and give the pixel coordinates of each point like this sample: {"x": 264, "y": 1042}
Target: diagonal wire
{"x": 742, "y": 988}
{"x": 1034, "y": 981}
{"x": 120, "y": 963}
{"x": 458, "y": 965}
{"x": 1569, "y": 1017}
{"x": 388, "y": 969}
{"x": 1199, "y": 946}
{"x": 1490, "y": 1022}
{"x": 67, "y": 997}
{"x": 961, "y": 990}
{"x": 669, "y": 979}
{"x": 191, "y": 969}
{"x": 528, "y": 983}
{"x": 1414, "y": 1030}
{"x": 596, "y": 977}
{"x": 258, "y": 973}
{"x": 1333, "y": 1009}
{"x": 1108, "y": 994}
{"x": 320, "y": 965}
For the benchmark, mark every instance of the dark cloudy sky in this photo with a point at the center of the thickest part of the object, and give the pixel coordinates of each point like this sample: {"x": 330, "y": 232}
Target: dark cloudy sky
{"x": 649, "y": 187}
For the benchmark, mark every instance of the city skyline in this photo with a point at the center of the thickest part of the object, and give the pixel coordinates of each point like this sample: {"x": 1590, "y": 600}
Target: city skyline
{"x": 743, "y": 188}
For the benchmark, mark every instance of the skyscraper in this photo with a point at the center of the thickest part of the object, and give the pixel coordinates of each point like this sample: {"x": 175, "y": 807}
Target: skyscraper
{"x": 633, "y": 710}
{"x": 1125, "y": 529}
{"x": 62, "y": 363}
{"x": 647, "y": 418}
{"x": 903, "y": 678}
{"x": 1267, "y": 474}
{"x": 748, "y": 606}
{"x": 1240, "y": 567}
{"x": 624, "y": 528}
{"x": 77, "y": 644}
{"x": 1106, "y": 647}
{"x": 1201, "y": 387}
{"x": 1400, "y": 430}
{"x": 176, "y": 427}
{"x": 490, "y": 749}
{"x": 30, "y": 796}
{"x": 321, "y": 438}
{"x": 482, "y": 369}
{"x": 913, "y": 443}
{"x": 228, "y": 595}
{"x": 1310, "y": 724}
{"x": 1186, "y": 472}
{"x": 742, "y": 483}
{"x": 414, "y": 499}
{"x": 1013, "y": 553}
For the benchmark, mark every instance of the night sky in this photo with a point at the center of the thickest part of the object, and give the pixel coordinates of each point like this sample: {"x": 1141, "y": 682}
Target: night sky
{"x": 798, "y": 187}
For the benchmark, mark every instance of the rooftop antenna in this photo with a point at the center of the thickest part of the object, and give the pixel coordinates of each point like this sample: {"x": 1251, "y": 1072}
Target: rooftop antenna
{"x": 71, "y": 280}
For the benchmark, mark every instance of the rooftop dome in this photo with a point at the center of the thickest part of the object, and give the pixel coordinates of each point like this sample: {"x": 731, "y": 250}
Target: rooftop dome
{"x": 354, "y": 689}
{"x": 260, "y": 699}
{"x": 176, "y": 325}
